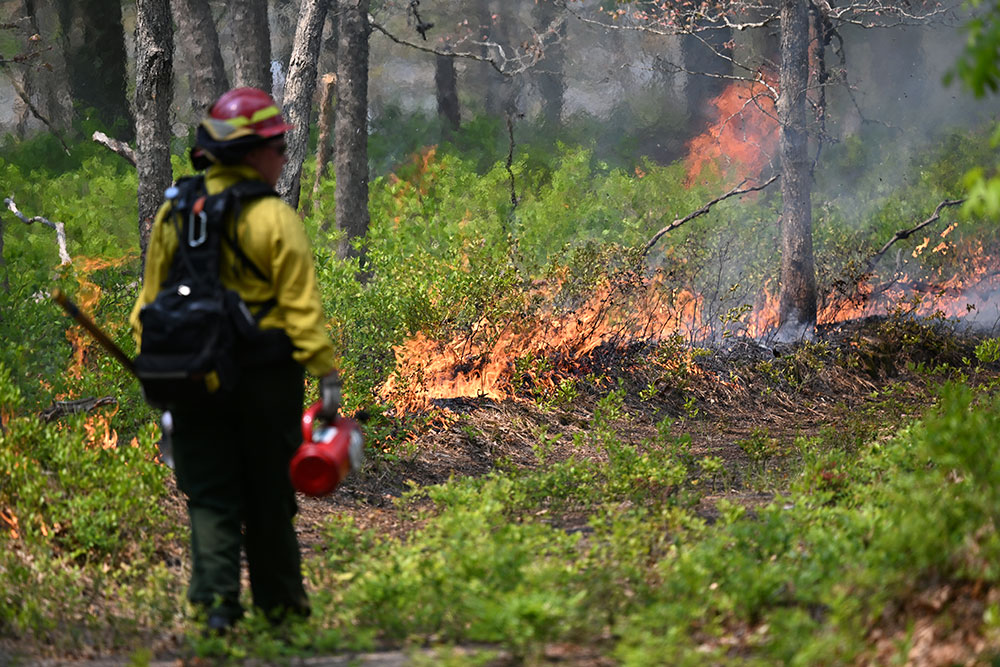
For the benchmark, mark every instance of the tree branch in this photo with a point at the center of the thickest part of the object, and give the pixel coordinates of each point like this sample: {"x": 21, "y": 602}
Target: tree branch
{"x": 116, "y": 146}
{"x": 704, "y": 209}
{"x": 906, "y": 233}
{"x": 59, "y": 228}
{"x": 427, "y": 49}
{"x": 533, "y": 49}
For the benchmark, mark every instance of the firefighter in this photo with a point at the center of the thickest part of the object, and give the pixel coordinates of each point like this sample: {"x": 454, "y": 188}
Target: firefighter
{"x": 231, "y": 454}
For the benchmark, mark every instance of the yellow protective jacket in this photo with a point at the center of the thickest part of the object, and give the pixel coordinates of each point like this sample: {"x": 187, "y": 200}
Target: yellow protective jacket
{"x": 272, "y": 237}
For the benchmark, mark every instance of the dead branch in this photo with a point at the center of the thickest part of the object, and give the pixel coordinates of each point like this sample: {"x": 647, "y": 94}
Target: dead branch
{"x": 63, "y": 408}
{"x": 507, "y": 65}
{"x": 906, "y": 233}
{"x": 704, "y": 209}
{"x": 420, "y": 47}
{"x": 59, "y": 228}
{"x": 116, "y": 146}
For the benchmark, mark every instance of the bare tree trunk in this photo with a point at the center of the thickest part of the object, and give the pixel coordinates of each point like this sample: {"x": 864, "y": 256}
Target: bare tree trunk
{"x": 797, "y": 304}
{"x": 252, "y": 53}
{"x": 154, "y": 72}
{"x": 46, "y": 86}
{"x": 351, "y": 131}
{"x": 550, "y": 73}
{"x": 299, "y": 90}
{"x": 328, "y": 90}
{"x": 198, "y": 39}
{"x": 5, "y": 283}
{"x": 96, "y": 60}
{"x": 446, "y": 85}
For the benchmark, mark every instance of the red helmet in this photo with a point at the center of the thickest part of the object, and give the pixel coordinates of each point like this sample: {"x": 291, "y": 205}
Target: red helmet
{"x": 244, "y": 112}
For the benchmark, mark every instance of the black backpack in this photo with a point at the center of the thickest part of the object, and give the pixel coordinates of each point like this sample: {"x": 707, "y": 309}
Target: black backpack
{"x": 195, "y": 326}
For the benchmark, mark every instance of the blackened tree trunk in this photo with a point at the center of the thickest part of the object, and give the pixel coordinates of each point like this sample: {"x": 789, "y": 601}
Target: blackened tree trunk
{"x": 549, "y": 76}
{"x": 351, "y": 129}
{"x": 198, "y": 39}
{"x": 797, "y": 304}
{"x": 94, "y": 44}
{"x": 252, "y": 52}
{"x": 446, "y": 86}
{"x": 154, "y": 79}
{"x": 299, "y": 90}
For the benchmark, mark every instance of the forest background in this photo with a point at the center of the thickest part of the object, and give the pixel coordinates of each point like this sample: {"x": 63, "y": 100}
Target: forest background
{"x": 668, "y": 477}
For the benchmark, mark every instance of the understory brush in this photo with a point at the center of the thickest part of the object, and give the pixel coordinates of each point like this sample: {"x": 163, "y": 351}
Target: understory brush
{"x": 83, "y": 532}
{"x": 611, "y": 546}
{"x": 803, "y": 580}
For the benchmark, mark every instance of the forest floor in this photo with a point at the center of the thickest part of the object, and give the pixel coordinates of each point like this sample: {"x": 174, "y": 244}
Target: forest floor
{"x": 724, "y": 400}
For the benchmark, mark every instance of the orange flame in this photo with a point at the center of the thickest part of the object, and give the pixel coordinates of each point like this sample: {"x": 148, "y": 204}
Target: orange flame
{"x": 486, "y": 362}
{"x": 87, "y": 297}
{"x": 498, "y": 360}
{"x": 9, "y": 518}
{"x": 99, "y": 431}
{"x": 744, "y": 137}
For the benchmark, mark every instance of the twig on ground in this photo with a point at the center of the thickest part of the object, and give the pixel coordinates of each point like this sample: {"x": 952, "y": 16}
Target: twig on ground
{"x": 59, "y": 228}
{"x": 701, "y": 211}
{"x": 62, "y": 408}
{"x": 116, "y": 146}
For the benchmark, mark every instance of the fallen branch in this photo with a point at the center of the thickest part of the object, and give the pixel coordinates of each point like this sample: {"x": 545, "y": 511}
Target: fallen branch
{"x": 906, "y": 233}
{"x": 63, "y": 408}
{"x": 59, "y": 228}
{"x": 704, "y": 209}
{"x": 116, "y": 146}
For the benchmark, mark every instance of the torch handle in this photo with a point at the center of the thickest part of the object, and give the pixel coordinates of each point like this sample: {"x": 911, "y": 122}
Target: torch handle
{"x": 73, "y": 311}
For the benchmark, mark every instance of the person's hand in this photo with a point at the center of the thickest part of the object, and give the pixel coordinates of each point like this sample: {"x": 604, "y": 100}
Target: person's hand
{"x": 330, "y": 391}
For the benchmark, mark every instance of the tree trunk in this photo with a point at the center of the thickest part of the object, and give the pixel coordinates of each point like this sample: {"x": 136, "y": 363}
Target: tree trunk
{"x": 198, "y": 39}
{"x": 96, "y": 61}
{"x": 47, "y": 86}
{"x": 494, "y": 84}
{"x": 328, "y": 91}
{"x": 299, "y": 90}
{"x": 154, "y": 71}
{"x": 446, "y": 85}
{"x": 549, "y": 75}
{"x": 252, "y": 53}
{"x": 351, "y": 130}
{"x": 797, "y": 304}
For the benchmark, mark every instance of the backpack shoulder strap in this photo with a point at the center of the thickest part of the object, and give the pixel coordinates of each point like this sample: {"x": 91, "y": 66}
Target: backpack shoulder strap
{"x": 236, "y": 196}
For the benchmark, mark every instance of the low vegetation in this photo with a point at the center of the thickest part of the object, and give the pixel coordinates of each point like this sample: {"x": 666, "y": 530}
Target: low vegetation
{"x": 704, "y": 497}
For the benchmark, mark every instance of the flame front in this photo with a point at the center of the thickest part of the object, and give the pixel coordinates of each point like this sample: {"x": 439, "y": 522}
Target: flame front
{"x": 743, "y": 139}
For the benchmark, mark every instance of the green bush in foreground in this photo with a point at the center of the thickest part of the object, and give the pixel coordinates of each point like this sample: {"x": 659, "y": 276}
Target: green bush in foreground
{"x": 800, "y": 581}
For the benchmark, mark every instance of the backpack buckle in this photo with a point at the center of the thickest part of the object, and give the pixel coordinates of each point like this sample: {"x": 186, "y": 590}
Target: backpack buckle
{"x": 196, "y": 238}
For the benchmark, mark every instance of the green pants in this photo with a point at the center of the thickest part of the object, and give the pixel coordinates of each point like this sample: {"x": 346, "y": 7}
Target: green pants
{"x": 231, "y": 458}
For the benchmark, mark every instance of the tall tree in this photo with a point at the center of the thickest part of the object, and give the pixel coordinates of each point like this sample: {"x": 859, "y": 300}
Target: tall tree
{"x": 94, "y": 44}
{"x": 252, "y": 52}
{"x": 549, "y": 74}
{"x": 198, "y": 40}
{"x": 299, "y": 89}
{"x": 797, "y": 307}
{"x": 154, "y": 80}
{"x": 351, "y": 128}
{"x": 446, "y": 88}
